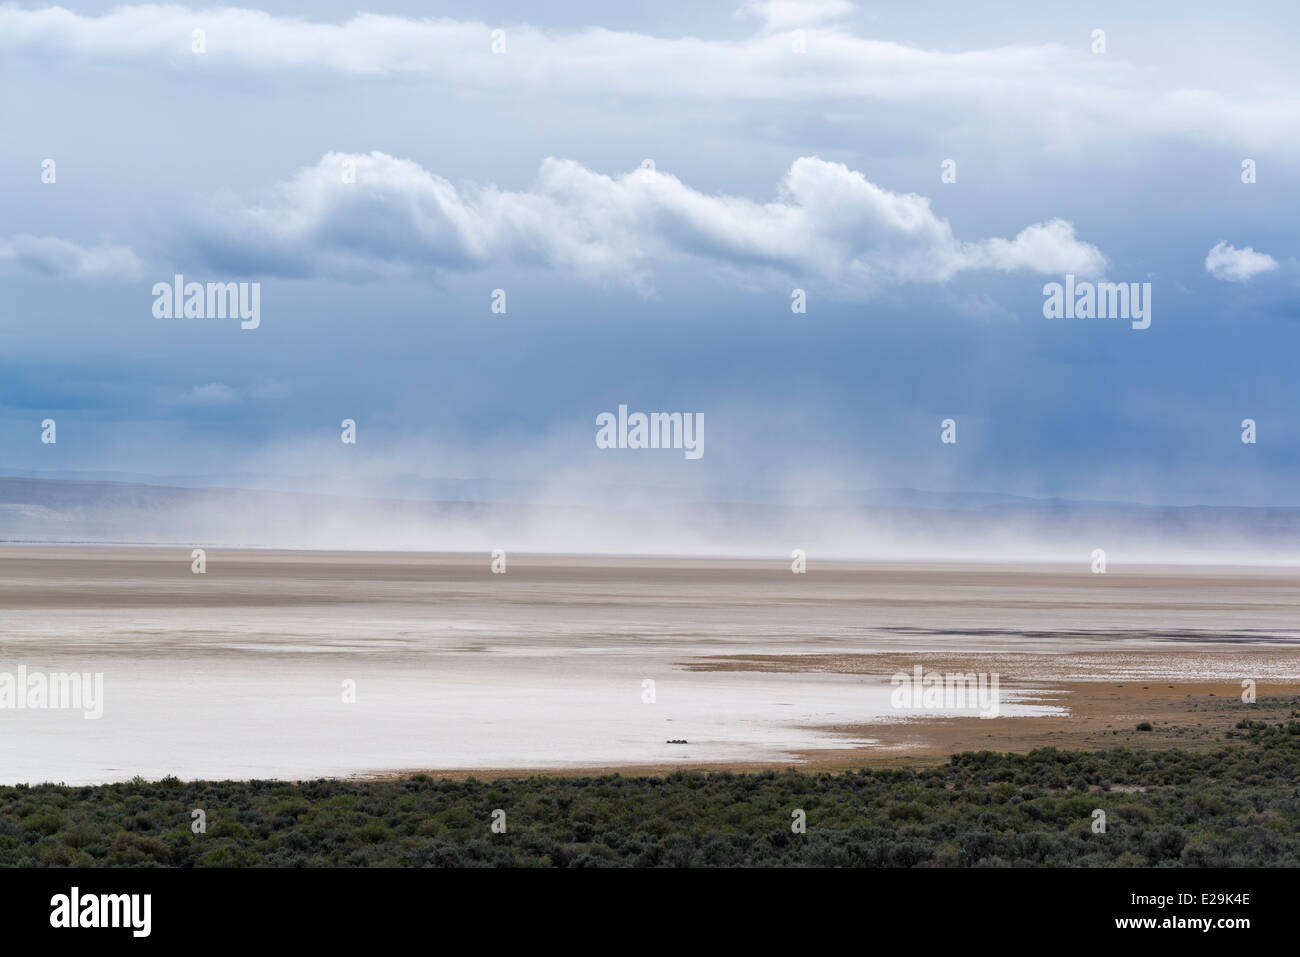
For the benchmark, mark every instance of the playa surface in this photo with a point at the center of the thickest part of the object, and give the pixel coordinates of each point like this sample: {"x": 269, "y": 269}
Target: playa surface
{"x": 245, "y": 670}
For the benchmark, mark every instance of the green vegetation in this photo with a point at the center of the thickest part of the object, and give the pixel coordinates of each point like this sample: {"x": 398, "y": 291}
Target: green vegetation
{"x": 1236, "y": 806}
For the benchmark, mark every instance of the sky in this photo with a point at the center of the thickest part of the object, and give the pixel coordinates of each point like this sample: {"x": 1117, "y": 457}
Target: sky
{"x": 648, "y": 184}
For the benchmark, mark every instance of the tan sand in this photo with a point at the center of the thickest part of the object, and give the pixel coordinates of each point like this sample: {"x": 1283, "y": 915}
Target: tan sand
{"x": 1103, "y": 699}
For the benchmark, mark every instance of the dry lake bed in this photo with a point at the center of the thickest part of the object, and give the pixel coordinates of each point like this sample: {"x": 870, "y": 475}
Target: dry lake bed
{"x": 296, "y": 664}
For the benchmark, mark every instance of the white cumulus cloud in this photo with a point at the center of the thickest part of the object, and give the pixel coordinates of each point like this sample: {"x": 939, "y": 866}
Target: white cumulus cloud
{"x": 1228, "y": 262}
{"x": 827, "y": 221}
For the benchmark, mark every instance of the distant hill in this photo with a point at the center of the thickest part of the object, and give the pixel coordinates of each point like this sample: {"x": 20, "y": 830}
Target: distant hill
{"x": 900, "y": 524}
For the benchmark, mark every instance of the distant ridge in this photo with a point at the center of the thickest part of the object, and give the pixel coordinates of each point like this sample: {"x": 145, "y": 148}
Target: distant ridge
{"x": 921, "y": 526}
